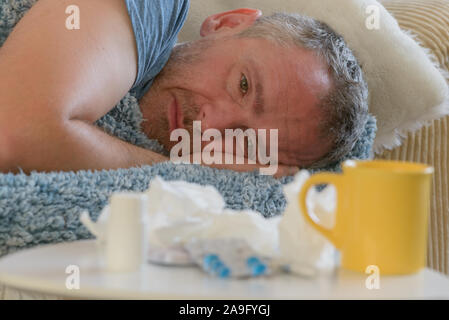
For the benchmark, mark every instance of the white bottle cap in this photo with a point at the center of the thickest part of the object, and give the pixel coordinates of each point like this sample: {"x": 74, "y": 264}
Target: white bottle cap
{"x": 129, "y": 207}
{"x": 126, "y": 241}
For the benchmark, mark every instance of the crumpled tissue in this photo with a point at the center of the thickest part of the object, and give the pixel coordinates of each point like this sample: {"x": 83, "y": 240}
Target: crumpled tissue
{"x": 302, "y": 248}
{"x": 189, "y": 224}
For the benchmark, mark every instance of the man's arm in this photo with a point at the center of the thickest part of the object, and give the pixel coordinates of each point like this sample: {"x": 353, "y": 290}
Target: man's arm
{"x": 55, "y": 83}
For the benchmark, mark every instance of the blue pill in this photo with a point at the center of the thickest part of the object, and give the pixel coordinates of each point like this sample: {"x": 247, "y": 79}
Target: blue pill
{"x": 224, "y": 272}
{"x": 258, "y": 269}
{"x": 210, "y": 261}
{"x": 216, "y": 265}
{"x": 252, "y": 261}
{"x": 210, "y": 257}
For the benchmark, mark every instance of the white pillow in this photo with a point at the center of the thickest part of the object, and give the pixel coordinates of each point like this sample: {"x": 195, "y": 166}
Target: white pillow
{"x": 406, "y": 88}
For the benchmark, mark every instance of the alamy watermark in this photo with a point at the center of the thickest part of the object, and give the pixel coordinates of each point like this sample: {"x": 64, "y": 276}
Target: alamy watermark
{"x": 73, "y": 21}
{"x": 373, "y": 280}
{"x": 372, "y": 22}
{"x": 72, "y": 282}
{"x": 249, "y": 146}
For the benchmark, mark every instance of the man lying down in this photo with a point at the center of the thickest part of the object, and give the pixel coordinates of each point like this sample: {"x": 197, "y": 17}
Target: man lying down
{"x": 284, "y": 72}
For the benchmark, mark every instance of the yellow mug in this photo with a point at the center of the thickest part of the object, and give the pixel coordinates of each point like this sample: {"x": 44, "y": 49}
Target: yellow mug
{"x": 382, "y": 214}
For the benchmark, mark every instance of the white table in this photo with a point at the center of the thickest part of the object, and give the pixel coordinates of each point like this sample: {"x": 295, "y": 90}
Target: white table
{"x": 43, "y": 270}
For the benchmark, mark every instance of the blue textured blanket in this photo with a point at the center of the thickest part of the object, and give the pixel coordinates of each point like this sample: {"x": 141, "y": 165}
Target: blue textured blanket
{"x": 43, "y": 208}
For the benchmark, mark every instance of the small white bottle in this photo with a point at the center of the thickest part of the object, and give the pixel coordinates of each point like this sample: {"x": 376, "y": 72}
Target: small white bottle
{"x": 127, "y": 232}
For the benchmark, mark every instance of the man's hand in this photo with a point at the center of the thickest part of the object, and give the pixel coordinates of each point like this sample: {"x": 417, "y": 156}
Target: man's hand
{"x": 55, "y": 83}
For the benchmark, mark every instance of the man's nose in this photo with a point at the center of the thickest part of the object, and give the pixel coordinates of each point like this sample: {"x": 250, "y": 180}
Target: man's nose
{"x": 220, "y": 116}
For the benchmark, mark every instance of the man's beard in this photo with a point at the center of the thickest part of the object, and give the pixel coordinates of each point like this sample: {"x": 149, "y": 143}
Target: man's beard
{"x": 182, "y": 59}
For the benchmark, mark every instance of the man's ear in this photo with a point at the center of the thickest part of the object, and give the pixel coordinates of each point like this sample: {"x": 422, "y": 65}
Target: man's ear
{"x": 234, "y": 20}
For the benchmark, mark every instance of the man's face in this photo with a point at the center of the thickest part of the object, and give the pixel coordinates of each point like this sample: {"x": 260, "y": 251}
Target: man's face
{"x": 230, "y": 83}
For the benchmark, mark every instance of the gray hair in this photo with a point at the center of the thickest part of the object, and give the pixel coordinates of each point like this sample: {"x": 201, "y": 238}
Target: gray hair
{"x": 346, "y": 105}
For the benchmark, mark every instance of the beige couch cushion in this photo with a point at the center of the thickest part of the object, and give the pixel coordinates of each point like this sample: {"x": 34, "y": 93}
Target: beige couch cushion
{"x": 429, "y": 21}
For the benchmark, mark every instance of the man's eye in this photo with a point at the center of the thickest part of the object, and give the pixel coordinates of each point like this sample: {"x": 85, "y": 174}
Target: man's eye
{"x": 244, "y": 86}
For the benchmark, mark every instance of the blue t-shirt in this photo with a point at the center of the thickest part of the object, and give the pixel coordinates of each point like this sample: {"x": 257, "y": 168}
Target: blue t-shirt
{"x": 156, "y": 24}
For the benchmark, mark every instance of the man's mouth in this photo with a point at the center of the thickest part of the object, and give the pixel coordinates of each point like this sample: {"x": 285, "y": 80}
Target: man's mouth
{"x": 175, "y": 116}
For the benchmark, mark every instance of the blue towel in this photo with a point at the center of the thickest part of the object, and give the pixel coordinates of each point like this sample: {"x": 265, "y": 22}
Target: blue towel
{"x": 43, "y": 208}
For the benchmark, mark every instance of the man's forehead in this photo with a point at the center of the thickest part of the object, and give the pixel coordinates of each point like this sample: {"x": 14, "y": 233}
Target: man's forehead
{"x": 288, "y": 76}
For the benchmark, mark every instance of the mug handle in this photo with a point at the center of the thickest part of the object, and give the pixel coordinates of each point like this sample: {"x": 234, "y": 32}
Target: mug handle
{"x": 320, "y": 178}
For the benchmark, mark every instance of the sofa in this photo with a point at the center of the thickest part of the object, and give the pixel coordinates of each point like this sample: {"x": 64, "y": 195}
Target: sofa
{"x": 428, "y": 20}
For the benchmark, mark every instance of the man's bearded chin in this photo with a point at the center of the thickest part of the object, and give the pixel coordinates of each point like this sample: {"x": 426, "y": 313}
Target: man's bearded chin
{"x": 154, "y": 110}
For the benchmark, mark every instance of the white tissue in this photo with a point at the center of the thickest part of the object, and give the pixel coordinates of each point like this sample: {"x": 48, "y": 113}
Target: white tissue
{"x": 180, "y": 212}
{"x": 303, "y": 248}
